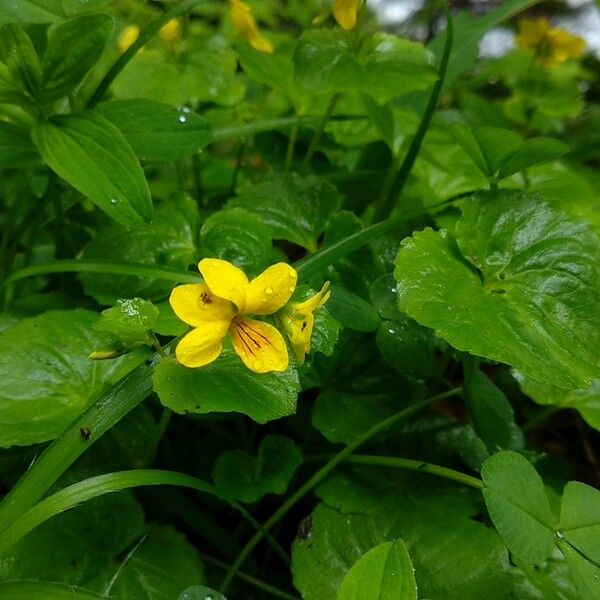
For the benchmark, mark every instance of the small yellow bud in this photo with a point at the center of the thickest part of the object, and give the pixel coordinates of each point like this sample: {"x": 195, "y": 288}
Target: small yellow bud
{"x": 244, "y": 23}
{"x": 170, "y": 31}
{"x": 105, "y": 354}
{"x": 127, "y": 37}
{"x": 346, "y": 12}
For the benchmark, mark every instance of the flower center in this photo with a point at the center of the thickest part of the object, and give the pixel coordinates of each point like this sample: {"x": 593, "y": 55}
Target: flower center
{"x": 206, "y": 298}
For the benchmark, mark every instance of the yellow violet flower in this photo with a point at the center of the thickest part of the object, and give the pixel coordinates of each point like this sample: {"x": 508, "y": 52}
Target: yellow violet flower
{"x": 244, "y": 24}
{"x": 221, "y": 305}
{"x": 298, "y": 321}
{"x": 127, "y": 37}
{"x": 552, "y": 46}
{"x": 170, "y": 31}
{"x": 346, "y": 12}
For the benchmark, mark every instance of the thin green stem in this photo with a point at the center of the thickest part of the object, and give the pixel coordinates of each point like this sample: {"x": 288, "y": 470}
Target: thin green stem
{"x": 316, "y": 139}
{"x": 324, "y": 471}
{"x": 145, "y": 36}
{"x": 385, "y": 207}
{"x": 93, "y": 487}
{"x": 237, "y": 131}
{"x": 257, "y": 583}
{"x": 289, "y": 155}
{"x": 102, "y": 268}
{"x": 411, "y": 465}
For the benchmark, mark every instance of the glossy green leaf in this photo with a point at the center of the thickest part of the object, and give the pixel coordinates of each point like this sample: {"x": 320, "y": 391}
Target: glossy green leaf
{"x": 585, "y": 575}
{"x": 580, "y": 519}
{"x": 455, "y": 557}
{"x": 48, "y": 379}
{"x": 74, "y": 47}
{"x": 34, "y": 590}
{"x": 162, "y": 565}
{"x": 226, "y": 385}
{"x": 93, "y": 156}
{"x": 352, "y": 311}
{"x": 519, "y": 288}
{"x": 18, "y": 54}
{"x": 386, "y": 66}
{"x": 383, "y": 573}
{"x": 326, "y": 331}
{"x": 16, "y": 149}
{"x": 518, "y": 505}
{"x": 238, "y": 236}
{"x": 244, "y": 477}
{"x": 156, "y": 131}
{"x": 407, "y": 347}
{"x": 294, "y": 208}
{"x": 491, "y": 412}
{"x": 533, "y": 152}
{"x": 130, "y": 320}
{"x": 169, "y": 241}
{"x": 200, "y": 592}
{"x": 585, "y": 400}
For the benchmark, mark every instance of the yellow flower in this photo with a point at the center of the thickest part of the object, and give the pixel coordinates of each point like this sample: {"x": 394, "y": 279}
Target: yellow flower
{"x": 170, "y": 31}
{"x": 552, "y": 46}
{"x": 298, "y": 321}
{"x": 244, "y": 23}
{"x": 127, "y": 37}
{"x": 221, "y": 304}
{"x": 345, "y": 12}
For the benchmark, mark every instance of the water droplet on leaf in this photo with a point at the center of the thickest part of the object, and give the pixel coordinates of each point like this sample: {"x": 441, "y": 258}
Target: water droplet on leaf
{"x": 269, "y": 290}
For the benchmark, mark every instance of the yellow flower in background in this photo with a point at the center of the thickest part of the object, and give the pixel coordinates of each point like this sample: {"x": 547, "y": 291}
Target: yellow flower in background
{"x": 346, "y": 12}
{"x": 221, "y": 305}
{"x": 298, "y": 321}
{"x": 244, "y": 23}
{"x": 127, "y": 37}
{"x": 552, "y": 46}
{"x": 170, "y": 31}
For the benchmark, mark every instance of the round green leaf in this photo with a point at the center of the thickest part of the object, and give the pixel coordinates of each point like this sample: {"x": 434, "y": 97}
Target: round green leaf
{"x": 520, "y": 288}
{"x": 47, "y": 378}
{"x": 244, "y": 477}
{"x": 383, "y": 573}
{"x": 518, "y": 505}
{"x": 226, "y": 385}
{"x": 352, "y": 311}
{"x": 200, "y": 592}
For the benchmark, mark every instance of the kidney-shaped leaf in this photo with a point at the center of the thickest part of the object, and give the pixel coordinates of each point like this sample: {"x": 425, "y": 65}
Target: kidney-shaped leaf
{"x": 520, "y": 288}
{"x": 93, "y": 156}
{"x": 518, "y": 505}
{"x": 383, "y": 573}
{"x": 226, "y": 385}
{"x": 47, "y": 378}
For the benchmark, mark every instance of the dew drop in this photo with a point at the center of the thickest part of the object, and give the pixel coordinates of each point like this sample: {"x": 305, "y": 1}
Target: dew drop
{"x": 392, "y": 331}
{"x": 291, "y": 288}
{"x": 292, "y": 274}
{"x": 182, "y": 119}
{"x": 269, "y": 290}
{"x": 113, "y": 200}
{"x": 394, "y": 290}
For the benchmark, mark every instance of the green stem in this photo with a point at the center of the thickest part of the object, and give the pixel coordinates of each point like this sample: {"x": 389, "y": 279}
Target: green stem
{"x": 226, "y": 133}
{"x": 385, "y": 207}
{"x": 145, "y": 36}
{"x": 324, "y": 471}
{"x": 411, "y": 465}
{"x": 289, "y": 155}
{"x": 257, "y": 583}
{"x": 105, "y": 268}
{"x": 93, "y": 487}
{"x": 314, "y": 143}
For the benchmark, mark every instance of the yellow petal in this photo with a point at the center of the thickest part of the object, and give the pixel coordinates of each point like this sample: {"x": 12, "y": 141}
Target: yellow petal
{"x": 260, "y": 346}
{"x": 345, "y": 12}
{"x": 564, "y": 45}
{"x": 268, "y": 292}
{"x": 127, "y": 37}
{"x": 195, "y": 304}
{"x": 202, "y": 345}
{"x": 314, "y": 302}
{"x": 261, "y": 43}
{"x": 224, "y": 280}
{"x": 170, "y": 30}
{"x": 299, "y": 332}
